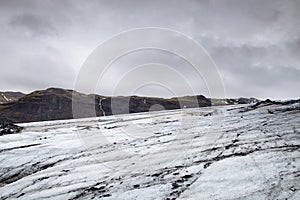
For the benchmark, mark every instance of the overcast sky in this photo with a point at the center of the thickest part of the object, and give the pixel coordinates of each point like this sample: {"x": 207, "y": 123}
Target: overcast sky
{"x": 255, "y": 44}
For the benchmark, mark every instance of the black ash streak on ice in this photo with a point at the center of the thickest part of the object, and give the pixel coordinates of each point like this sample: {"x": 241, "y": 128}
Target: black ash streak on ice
{"x": 256, "y": 156}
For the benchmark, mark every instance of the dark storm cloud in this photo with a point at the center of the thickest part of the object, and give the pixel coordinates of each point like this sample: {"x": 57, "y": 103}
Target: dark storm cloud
{"x": 255, "y": 44}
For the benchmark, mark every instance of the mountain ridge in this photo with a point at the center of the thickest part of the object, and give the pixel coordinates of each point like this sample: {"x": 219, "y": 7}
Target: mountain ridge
{"x": 58, "y": 103}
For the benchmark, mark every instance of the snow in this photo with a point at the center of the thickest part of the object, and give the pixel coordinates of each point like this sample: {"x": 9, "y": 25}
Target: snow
{"x": 222, "y": 152}
{"x": 100, "y": 106}
{"x": 6, "y": 99}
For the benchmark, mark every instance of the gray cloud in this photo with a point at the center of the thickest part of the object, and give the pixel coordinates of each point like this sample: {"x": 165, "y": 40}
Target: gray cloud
{"x": 34, "y": 25}
{"x": 255, "y": 44}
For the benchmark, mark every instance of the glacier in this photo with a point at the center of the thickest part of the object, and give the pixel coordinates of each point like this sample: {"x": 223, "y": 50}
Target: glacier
{"x": 221, "y": 152}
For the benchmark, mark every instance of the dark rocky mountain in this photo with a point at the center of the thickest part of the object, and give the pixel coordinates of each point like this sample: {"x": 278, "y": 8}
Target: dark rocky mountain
{"x": 56, "y": 103}
{"x": 218, "y": 102}
{"x": 42, "y": 105}
{"x": 6, "y": 97}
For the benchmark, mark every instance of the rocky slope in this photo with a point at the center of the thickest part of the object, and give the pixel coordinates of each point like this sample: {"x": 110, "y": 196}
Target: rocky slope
{"x": 9, "y": 128}
{"x": 44, "y": 105}
{"x": 6, "y": 97}
{"x": 55, "y": 104}
{"x": 227, "y": 152}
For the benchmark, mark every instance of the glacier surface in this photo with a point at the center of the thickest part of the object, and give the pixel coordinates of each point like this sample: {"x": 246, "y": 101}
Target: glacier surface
{"x": 226, "y": 152}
